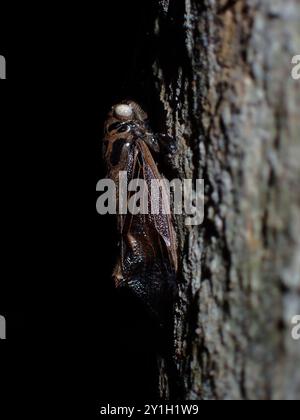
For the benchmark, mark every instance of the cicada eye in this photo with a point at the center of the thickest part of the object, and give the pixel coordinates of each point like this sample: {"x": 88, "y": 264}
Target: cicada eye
{"x": 123, "y": 111}
{"x": 125, "y": 128}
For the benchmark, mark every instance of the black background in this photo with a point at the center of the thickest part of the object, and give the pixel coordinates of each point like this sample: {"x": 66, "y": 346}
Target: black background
{"x": 64, "y": 318}
{"x": 123, "y": 54}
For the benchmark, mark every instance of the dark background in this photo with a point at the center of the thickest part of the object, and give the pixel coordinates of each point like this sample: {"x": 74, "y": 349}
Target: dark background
{"x": 65, "y": 70}
{"x": 123, "y": 50}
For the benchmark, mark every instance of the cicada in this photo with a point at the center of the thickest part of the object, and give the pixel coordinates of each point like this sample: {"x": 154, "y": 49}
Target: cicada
{"x": 147, "y": 262}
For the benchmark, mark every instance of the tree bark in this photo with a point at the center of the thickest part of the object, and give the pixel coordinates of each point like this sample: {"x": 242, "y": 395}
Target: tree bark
{"x": 223, "y": 76}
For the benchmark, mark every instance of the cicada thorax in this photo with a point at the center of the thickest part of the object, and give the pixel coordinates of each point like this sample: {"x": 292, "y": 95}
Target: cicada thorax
{"x": 148, "y": 262}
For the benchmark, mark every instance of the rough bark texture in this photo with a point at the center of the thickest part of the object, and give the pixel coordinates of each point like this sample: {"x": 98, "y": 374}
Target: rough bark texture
{"x": 223, "y": 77}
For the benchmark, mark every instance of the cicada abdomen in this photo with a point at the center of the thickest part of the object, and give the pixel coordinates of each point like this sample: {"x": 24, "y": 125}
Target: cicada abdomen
{"x": 147, "y": 263}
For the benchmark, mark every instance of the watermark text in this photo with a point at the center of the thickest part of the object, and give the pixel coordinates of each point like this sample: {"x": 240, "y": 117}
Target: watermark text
{"x": 296, "y": 68}
{"x": 2, "y": 67}
{"x": 296, "y": 327}
{"x": 2, "y": 328}
{"x": 155, "y": 196}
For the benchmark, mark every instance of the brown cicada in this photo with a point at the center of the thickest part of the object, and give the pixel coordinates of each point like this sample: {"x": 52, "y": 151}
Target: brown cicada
{"x": 147, "y": 263}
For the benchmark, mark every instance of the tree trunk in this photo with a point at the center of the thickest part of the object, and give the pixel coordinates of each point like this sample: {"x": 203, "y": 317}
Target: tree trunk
{"x": 223, "y": 76}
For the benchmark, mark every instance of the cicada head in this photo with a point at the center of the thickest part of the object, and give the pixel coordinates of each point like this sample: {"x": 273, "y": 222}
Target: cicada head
{"x": 124, "y": 123}
{"x": 129, "y": 111}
